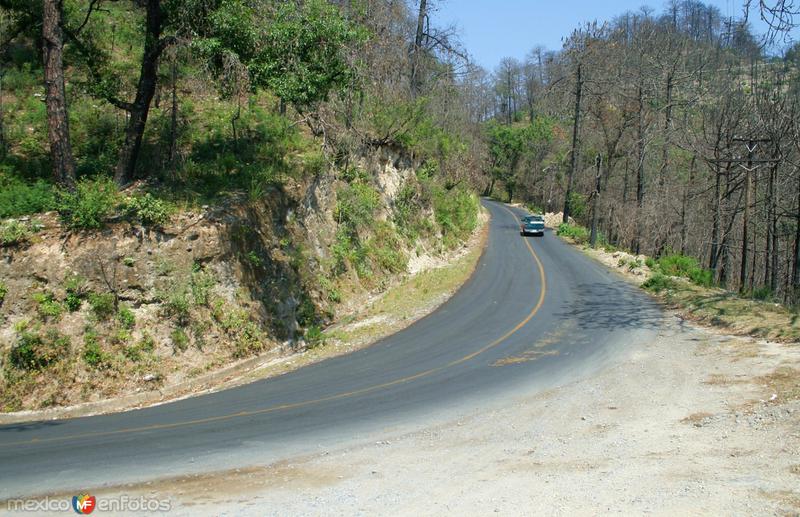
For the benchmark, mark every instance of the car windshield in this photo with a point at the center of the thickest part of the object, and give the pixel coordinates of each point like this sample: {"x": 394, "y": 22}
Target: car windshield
{"x": 532, "y": 218}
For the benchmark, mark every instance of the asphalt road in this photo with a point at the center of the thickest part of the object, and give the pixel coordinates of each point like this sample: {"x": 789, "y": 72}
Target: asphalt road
{"x": 535, "y": 314}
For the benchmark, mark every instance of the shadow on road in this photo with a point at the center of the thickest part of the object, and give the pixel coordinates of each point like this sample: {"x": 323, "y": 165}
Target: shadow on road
{"x": 28, "y": 426}
{"x": 611, "y": 307}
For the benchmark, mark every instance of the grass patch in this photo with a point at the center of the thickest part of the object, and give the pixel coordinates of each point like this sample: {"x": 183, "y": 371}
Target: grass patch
{"x": 102, "y": 305}
{"x": 90, "y": 205}
{"x": 574, "y": 232}
{"x": 659, "y": 282}
{"x": 784, "y": 382}
{"x": 403, "y": 303}
{"x": 738, "y": 315}
{"x": 14, "y": 232}
{"x": 675, "y": 264}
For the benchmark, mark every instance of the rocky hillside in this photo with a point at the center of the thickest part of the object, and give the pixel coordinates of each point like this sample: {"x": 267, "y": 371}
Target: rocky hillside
{"x": 86, "y": 315}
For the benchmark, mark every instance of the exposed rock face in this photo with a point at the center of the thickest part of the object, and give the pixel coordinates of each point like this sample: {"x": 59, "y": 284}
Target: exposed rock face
{"x": 214, "y": 285}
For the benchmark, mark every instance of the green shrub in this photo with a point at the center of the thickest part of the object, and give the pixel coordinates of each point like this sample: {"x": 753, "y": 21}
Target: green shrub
{"x": 577, "y": 205}
{"x": 3, "y": 292}
{"x": 702, "y": 277}
{"x": 32, "y": 351}
{"x": 253, "y": 258}
{"x": 76, "y": 289}
{"x": 47, "y": 306}
{"x": 148, "y": 210}
{"x": 532, "y": 208}
{"x": 408, "y": 215}
{"x": 177, "y": 305}
{"x": 180, "y": 341}
{"x": 102, "y": 305}
{"x": 314, "y": 336}
{"x": 577, "y": 233}
{"x": 762, "y": 293}
{"x": 126, "y": 317}
{"x": 386, "y": 251}
{"x": 90, "y": 205}
{"x": 675, "y": 264}
{"x": 306, "y": 312}
{"x": 72, "y": 302}
{"x": 248, "y": 340}
{"x": 13, "y": 232}
{"x": 659, "y": 282}
{"x": 650, "y": 263}
{"x": 635, "y": 264}
{"x": 333, "y": 294}
{"x": 93, "y": 354}
{"x": 137, "y": 352}
{"x": 18, "y": 198}
{"x": 356, "y": 205}
{"x": 201, "y": 284}
{"x": 456, "y": 213}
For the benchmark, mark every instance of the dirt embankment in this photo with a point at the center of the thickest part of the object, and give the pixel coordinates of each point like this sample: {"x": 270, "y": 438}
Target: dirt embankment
{"x": 140, "y": 314}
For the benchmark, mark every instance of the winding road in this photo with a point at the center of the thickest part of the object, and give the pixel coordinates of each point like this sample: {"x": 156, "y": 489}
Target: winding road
{"x": 536, "y": 313}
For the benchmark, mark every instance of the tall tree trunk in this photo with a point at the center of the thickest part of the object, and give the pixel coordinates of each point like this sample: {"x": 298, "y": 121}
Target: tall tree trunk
{"x": 713, "y": 262}
{"x": 685, "y": 203}
{"x": 595, "y": 202}
{"x": 173, "y": 120}
{"x": 416, "y": 57}
{"x": 63, "y": 162}
{"x": 770, "y": 241}
{"x": 573, "y": 160}
{"x": 667, "y": 124}
{"x": 148, "y": 78}
{"x": 748, "y": 197}
{"x": 796, "y": 268}
{"x": 3, "y": 146}
{"x": 640, "y": 150}
{"x": 773, "y": 279}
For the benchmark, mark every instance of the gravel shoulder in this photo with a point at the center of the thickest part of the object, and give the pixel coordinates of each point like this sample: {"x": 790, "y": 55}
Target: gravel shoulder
{"x": 691, "y": 422}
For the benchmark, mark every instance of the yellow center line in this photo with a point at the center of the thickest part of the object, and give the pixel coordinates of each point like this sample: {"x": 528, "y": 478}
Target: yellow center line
{"x": 361, "y": 391}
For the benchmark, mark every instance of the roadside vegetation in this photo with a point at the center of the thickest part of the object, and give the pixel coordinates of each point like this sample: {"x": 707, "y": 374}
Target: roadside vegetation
{"x": 247, "y": 111}
{"x": 683, "y": 284}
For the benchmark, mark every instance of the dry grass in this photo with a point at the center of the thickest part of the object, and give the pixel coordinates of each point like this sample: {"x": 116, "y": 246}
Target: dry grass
{"x": 786, "y": 498}
{"x": 716, "y": 379}
{"x": 737, "y": 315}
{"x": 696, "y": 419}
{"x": 783, "y": 382}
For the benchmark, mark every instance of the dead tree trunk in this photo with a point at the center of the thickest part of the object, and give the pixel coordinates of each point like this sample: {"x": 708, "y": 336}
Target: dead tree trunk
{"x": 685, "y": 204}
{"x": 416, "y": 56}
{"x": 640, "y": 150}
{"x": 595, "y": 202}
{"x": 715, "y": 230}
{"x": 63, "y": 162}
{"x": 748, "y": 197}
{"x": 573, "y": 160}
{"x": 769, "y": 248}
{"x": 796, "y": 268}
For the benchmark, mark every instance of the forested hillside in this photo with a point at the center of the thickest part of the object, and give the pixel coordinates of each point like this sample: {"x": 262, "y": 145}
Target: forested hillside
{"x": 674, "y": 132}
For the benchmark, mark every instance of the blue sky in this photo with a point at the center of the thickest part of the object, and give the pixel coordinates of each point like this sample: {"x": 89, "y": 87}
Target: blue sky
{"x": 493, "y": 29}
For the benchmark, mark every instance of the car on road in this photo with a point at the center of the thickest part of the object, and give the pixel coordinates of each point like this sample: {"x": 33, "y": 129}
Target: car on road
{"x": 532, "y": 225}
